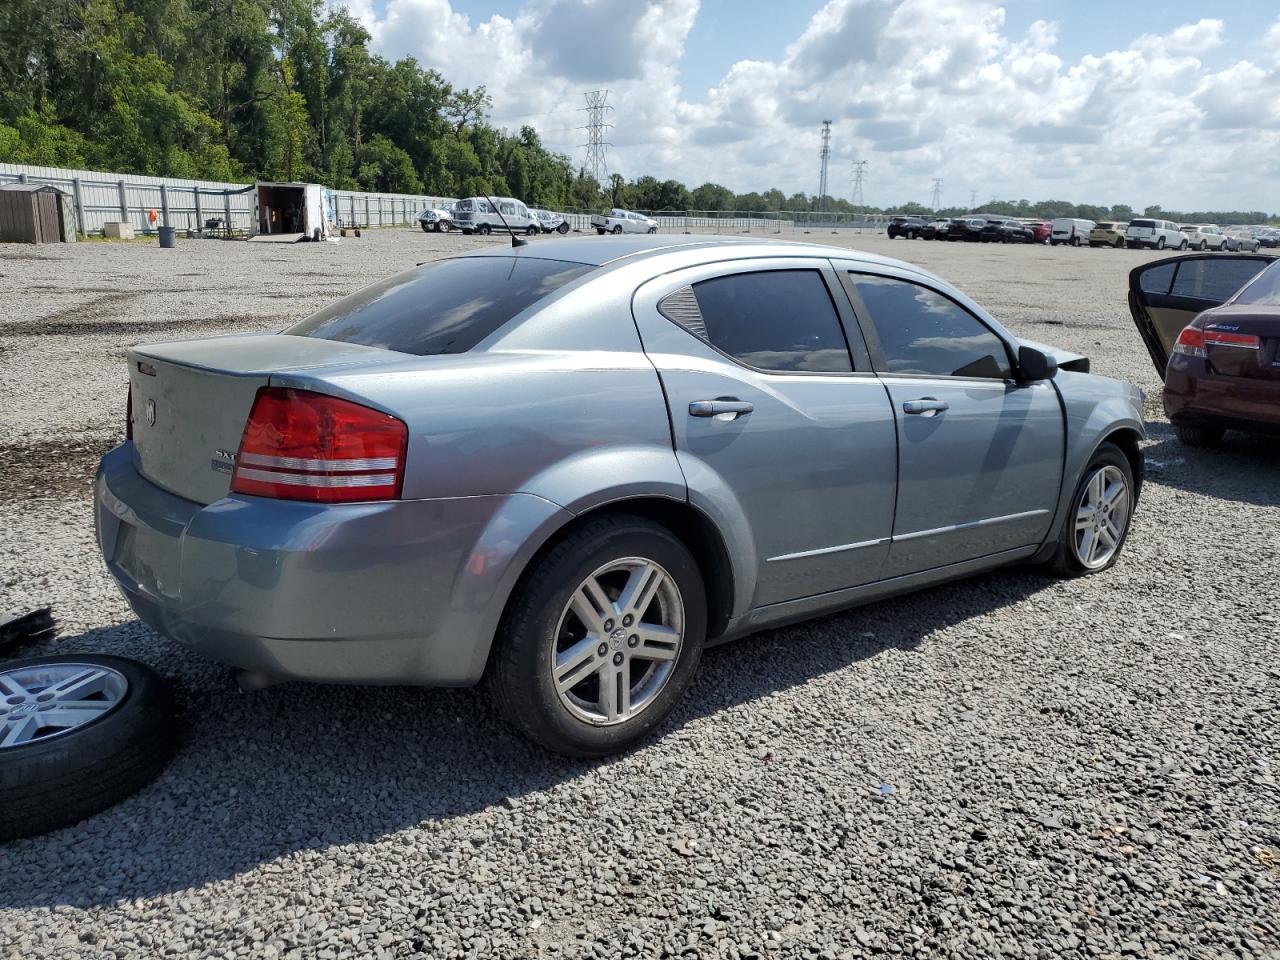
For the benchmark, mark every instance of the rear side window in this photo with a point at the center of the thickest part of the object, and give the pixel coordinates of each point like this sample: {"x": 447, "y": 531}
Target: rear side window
{"x": 1157, "y": 279}
{"x": 443, "y": 307}
{"x": 780, "y": 320}
{"x": 1215, "y": 279}
{"x": 922, "y": 332}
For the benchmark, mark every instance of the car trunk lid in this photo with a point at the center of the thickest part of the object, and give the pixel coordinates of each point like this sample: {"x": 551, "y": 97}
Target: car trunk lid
{"x": 1243, "y": 341}
{"x": 191, "y": 400}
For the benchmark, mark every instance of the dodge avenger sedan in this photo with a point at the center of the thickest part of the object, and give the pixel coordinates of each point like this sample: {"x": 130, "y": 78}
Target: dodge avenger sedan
{"x": 564, "y": 469}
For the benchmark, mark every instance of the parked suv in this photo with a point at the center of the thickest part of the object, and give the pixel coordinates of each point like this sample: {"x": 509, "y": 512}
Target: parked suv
{"x": 1203, "y": 236}
{"x": 966, "y": 228}
{"x": 1001, "y": 230}
{"x": 1154, "y": 234}
{"x": 1107, "y": 234}
{"x": 935, "y": 229}
{"x": 908, "y": 227}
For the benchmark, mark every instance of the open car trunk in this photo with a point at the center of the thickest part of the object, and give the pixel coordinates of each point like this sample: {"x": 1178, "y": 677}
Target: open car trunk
{"x": 1166, "y": 295}
{"x": 191, "y": 399}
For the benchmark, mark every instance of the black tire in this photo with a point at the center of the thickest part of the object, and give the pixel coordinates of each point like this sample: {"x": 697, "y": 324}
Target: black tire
{"x": 426, "y": 227}
{"x": 563, "y": 228}
{"x": 600, "y": 230}
{"x": 531, "y": 231}
{"x": 1204, "y": 245}
{"x": 653, "y": 229}
{"x": 1065, "y": 561}
{"x": 1075, "y": 241}
{"x": 1119, "y": 244}
{"x": 444, "y": 226}
{"x": 62, "y": 779}
{"x": 617, "y": 229}
{"x": 1160, "y": 243}
{"x": 519, "y": 676}
{"x": 1198, "y": 434}
{"x": 484, "y": 230}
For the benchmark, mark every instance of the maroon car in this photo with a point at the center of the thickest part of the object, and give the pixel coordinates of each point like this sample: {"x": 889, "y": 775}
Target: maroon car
{"x": 1040, "y": 232}
{"x": 1211, "y": 323}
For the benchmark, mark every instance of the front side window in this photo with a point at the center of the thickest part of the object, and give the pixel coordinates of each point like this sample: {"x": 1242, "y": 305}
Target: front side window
{"x": 780, "y": 320}
{"x": 922, "y": 332}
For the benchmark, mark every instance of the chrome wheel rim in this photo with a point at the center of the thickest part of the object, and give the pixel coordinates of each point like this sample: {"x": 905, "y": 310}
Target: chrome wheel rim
{"x": 42, "y": 701}
{"x": 617, "y": 641}
{"x": 1102, "y": 514}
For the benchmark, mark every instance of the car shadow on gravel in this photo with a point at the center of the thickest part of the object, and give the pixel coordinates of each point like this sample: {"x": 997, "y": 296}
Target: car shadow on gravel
{"x": 1244, "y": 467}
{"x": 301, "y": 768}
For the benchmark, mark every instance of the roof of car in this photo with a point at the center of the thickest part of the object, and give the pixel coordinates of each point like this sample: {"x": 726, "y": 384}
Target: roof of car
{"x": 599, "y": 251}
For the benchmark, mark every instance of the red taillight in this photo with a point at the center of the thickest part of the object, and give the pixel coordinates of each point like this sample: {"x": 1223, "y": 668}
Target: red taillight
{"x": 1224, "y": 338}
{"x": 299, "y": 445}
{"x": 1191, "y": 343}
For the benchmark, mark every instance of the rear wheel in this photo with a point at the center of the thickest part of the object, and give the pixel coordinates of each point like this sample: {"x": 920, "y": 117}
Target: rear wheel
{"x": 1098, "y": 521}
{"x": 600, "y": 230}
{"x": 617, "y": 229}
{"x": 426, "y": 227}
{"x": 1199, "y": 434}
{"x": 1119, "y": 244}
{"x": 563, "y": 228}
{"x": 602, "y": 638}
{"x": 530, "y": 230}
{"x": 1203, "y": 246}
{"x": 1160, "y": 243}
{"x": 484, "y": 229}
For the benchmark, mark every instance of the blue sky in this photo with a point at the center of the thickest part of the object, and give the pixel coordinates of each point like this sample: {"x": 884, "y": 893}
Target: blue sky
{"x": 1104, "y": 102}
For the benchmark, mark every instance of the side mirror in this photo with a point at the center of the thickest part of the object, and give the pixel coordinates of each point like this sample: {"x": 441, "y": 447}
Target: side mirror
{"x": 1035, "y": 364}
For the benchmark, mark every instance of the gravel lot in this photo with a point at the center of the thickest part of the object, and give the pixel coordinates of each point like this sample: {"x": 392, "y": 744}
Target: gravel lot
{"x": 1010, "y": 765}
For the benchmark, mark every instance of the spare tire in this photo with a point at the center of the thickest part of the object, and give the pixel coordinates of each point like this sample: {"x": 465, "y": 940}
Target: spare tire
{"x": 78, "y": 733}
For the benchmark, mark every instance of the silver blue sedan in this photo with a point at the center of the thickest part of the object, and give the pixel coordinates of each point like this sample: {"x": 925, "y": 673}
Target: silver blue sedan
{"x": 565, "y": 468}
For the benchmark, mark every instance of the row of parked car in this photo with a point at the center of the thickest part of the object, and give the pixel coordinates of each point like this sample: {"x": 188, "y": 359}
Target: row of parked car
{"x": 1141, "y": 232}
{"x": 479, "y": 215}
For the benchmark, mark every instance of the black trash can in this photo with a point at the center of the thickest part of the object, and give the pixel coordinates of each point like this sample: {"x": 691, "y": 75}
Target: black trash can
{"x": 168, "y": 236}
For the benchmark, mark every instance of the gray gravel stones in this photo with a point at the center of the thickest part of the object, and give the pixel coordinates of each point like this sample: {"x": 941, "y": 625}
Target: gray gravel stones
{"x": 1077, "y": 768}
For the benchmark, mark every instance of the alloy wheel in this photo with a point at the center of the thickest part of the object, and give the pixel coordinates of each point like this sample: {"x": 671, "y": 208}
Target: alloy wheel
{"x": 40, "y": 701}
{"x": 1102, "y": 514}
{"x": 617, "y": 641}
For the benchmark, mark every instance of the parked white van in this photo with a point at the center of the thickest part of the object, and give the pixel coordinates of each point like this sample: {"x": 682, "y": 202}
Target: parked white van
{"x": 477, "y": 215}
{"x": 1070, "y": 230}
{"x": 1156, "y": 234}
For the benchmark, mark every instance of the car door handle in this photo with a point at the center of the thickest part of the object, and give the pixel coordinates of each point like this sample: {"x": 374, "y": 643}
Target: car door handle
{"x": 925, "y": 407}
{"x": 713, "y": 408}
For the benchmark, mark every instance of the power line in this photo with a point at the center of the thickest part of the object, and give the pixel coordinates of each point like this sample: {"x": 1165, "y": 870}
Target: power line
{"x": 858, "y": 167}
{"x": 826, "y": 155}
{"x": 597, "y": 146}
{"x": 937, "y": 193}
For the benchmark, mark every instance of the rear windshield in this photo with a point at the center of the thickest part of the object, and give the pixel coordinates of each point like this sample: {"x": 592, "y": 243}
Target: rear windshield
{"x": 443, "y": 307}
{"x": 1264, "y": 291}
{"x": 1105, "y": 226}
{"x": 1149, "y": 224}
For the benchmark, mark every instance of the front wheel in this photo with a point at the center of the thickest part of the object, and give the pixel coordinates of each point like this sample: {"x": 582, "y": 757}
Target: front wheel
{"x": 530, "y": 230}
{"x": 653, "y": 229}
{"x": 1098, "y": 522}
{"x": 426, "y": 227}
{"x": 484, "y": 230}
{"x": 562, "y": 229}
{"x": 1199, "y": 435}
{"x": 601, "y": 640}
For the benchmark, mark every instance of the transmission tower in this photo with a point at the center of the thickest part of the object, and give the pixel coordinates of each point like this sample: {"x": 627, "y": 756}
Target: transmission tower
{"x": 937, "y": 193}
{"x": 826, "y": 155}
{"x": 973, "y": 199}
{"x": 597, "y": 146}
{"x": 858, "y": 167}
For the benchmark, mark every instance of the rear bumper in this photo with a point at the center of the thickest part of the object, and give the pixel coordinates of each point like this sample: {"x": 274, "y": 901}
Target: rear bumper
{"x": 407, "y": 592}
{"x": 1194, "y": 395}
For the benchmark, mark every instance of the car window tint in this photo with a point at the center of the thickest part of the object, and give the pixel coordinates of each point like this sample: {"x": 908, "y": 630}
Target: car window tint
{"x": 774, "y": 320}
{"x": 443, "y": 307}
{"x": 922, "y": 332}
{"x": 1157, "y": 279}
{"x": 1265, "y": 290}
{"x": 1215, "y": 279}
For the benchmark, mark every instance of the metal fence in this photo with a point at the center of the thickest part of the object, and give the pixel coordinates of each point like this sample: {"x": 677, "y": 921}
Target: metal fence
{"x": 99, "y": 198}
{"x": 750, "y": 221}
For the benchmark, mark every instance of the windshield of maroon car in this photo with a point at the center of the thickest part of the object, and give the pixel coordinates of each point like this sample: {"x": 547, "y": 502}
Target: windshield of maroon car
{"x": 447, "y": 306}
{"x": 1264, "y": 290}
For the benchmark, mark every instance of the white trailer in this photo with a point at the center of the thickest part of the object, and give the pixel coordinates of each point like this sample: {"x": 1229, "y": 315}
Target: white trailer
{"x": 291, "y": 212}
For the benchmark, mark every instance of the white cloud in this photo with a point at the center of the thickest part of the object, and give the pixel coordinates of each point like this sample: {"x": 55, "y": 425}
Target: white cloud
{"x": 919, "y": 88}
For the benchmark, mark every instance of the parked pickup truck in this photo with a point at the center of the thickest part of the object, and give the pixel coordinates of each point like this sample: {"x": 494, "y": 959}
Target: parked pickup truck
{"x": 623, "y": 221}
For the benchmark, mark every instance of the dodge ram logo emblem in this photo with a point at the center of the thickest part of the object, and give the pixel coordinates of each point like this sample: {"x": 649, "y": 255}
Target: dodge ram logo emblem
{"x": 151, "y": 413}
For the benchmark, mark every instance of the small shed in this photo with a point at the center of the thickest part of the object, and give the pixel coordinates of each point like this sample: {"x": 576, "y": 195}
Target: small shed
{"x": 35, "y": 213}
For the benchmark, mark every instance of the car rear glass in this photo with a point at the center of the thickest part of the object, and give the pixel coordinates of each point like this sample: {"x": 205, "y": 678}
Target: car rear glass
{"x": 1264, "y": 291}
{"x": 443, "y": 307}
{"x": 1213, "y": 279}
{"x": 1148, "y": 224}
{"x": 1105, "y": 226}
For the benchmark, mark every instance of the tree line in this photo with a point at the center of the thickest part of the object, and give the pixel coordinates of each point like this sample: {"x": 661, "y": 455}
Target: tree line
{"x": 239, "y": 90}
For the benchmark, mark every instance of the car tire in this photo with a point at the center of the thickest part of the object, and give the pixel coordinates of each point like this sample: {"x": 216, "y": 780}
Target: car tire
{"x": 484, "y": 230}
{"x": 541, "y": 622}
{"x": 426, "y": 227}
{"x": 1160, "y": 244}
{"x": 1119, "y": 244}
{"x": 1078, "y": 551}
{"x": 600, "y": 230}
{"x": 1198, "y": 434}
{"x": 531, "y": 231}
{"x": 653, "y": 229}
{"x": 562, "y": 229}
{"x": 59, "y": 779}
{"x": 617, "y": 229}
